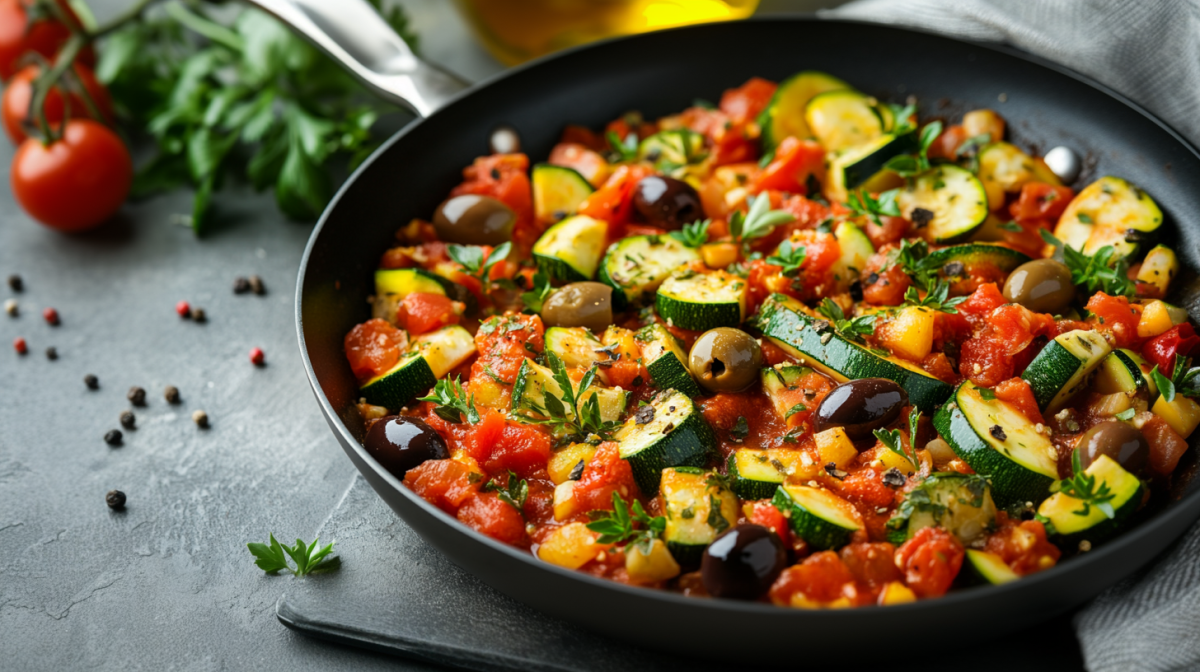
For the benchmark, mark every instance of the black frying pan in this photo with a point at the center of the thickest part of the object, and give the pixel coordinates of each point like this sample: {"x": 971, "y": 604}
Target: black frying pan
{"x": 660, "y": 73}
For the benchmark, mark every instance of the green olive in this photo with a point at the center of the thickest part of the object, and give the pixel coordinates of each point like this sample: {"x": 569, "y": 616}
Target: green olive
{"x": 472, "y": 219}
{"x": 725, "y": 359}
{"x": 1041, "y": 285}
{"x": 579, "y": 304}
{"x": 1121, "y": 442}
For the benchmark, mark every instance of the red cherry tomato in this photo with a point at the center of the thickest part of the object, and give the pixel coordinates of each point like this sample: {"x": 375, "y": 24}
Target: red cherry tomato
{"x": 75, "y": 183}
{"x": 15, "y": 105}
{"x": 44, "y": 37}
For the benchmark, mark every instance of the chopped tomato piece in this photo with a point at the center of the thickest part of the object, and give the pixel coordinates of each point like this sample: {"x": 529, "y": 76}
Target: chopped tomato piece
{"x": 505, "y": 177}
{"x": 1115, "y": 315}
{"x": 477, "y": 440}
{"x": 1017, "y": 392}
{"x": 945, "y": 146}
{"x": 373, "y": 348}
{"x": 937, "y": 364}
{"x": 930, "y": 561}
{"x": 773, "y": 354}
{"x": 1023, "y": 545}
{"x": 1041, "y": 201}
{"x": 764, "y": 513}
{"x": 605, "y": 474}
{"x": 884, "y": 284}
{"x": 890, "y": 233}
{"x": 581, "y": 135}
{"x": 1161, "y": 350}
{"x": 747, "y": 101}
{"x": 1166, "y": 446}
{"x": 984, "y": 361}
{"x": 794, "y": 163}
{"x": 579, "y": 158}
{"x": 980, "y": 304}
{"x": 424, "y": 312}
{"x": 504, "y": 342}
{"x": 1016, "y": 326}
{"x": 613, "y": 202}
{"x": 865, "y": 486}
{"x": 444, "y": 483}
{"x": 522, "y": 449}
{"x": 821, "y": 578}
{"x": 872, "y": 564}
{"x": 488, "y": 514}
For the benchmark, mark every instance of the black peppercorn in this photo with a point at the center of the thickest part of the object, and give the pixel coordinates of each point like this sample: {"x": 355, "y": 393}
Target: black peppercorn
{"x": 113, "y": 437}
{"x": 136, "y": 396}
{"x": 15, "y": 283}
{"x": 52, "y": 353}
{"x": 115, "y": 499}
{"x": 921, "y": 217}
{"x": 127, "y": 419}
{"x": 892, "y": 478}
{"x": 200, "y": 418}
{"x": 241, "y": 285}
{"x": 92, "y": 382}
{"x": 198, "y": 315}
{"x": 257, "y": 286}
{"x": 171, "y": 394}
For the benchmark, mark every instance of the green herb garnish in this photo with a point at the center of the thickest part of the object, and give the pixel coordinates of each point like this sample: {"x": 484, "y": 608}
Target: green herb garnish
{"x": 452, "y": 402}
{"x": 850, "y": 329}
{"x": 308, "y": 559}
{"x": 935, "y": 299}
{"x": 623, "y": 150}
{"x": 579, "y": 419}
{"x": 619, "y": 527}
{"x": 470, "y": 257}
{"x": 1082, "y": 486}
{"x": 536, "y": 297}
{"x": 909, "y": 165}
{"x": 790, "y": 257}
{"x": 862, "y": 203}
{"x": 758, "y": 221}
{"x": 693, "y": 235}
{"x": 1104, "y": 271}
{"x": 513, "y": 492}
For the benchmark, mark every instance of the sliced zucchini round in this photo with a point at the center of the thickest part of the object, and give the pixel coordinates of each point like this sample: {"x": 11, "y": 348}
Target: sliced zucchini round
{"x": 817, "y": 516}
{"x": 535, "y": 381}
{"x": 1005, "y": 169}
{"x": 575, "y": 346}
{"x": 1062, "y": 367}
{"x": 702, "y": 301}
{"x": 862, "y": 166}
{"x": 842, "y": 119}
{"x": 974, "y": 260}
{"x": 990, "y": 568}
{"x": 831, "y": 354}
{"x": 1073, "y": 520}
{"x": 954, "y": 196}
{"x": 997, "y": 441}
{"x": 697, "y": 508}
{"x": 637, "y": 265}
{"x": 671, "y": 150}
{"x": 856, "y": 249}
{"x": 557, "y": 192}
{"x": 1109, "y": 211}
{"x": 570, "y": 250}
{"x": 675, "y": 435}
{"x": 665, "y": 360}
{"x": 1121, "y": 372}
{"x": 961, "y": 504}
{"x": 784, "y": 115}
{"x": 753, "y": 475}
{"x": 404, "y": 382}
{"x": 404, "y": 281}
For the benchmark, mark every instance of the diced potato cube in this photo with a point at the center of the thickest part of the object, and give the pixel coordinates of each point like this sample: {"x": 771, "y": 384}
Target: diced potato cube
{"x": 985, "y": 121}
{"x": 893, "y": 460}
{"x": 563, "y": 462}
{"x": 910, "y": 333}
{"x": 896, "y": 593}
{"x": 1181, "y": 413}
{"x": 1155, "y": 320}
{"x": 834, "y": 446}
{"x": 719, "y": 255}
{"x": 1158, "y": 268}
{"x": 657, "y": 565}
{"x": 565, "y": 503}
{"x": 571, "y": 546}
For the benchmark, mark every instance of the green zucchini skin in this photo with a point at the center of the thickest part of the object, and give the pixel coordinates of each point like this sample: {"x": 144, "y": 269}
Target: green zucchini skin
{"x": 557, "y": 191}
{"x": 410, "y": 377}
{"x": 961, "y": 504}
{"x": 1062, "y": 367}
{"x": 678, "y": 436}
{"x": 860, "y": 165}
{"x": 702, "y": 301}
{"x": 570, "y": 250}
{"x": 810, "y": 525}
{"x": 988, "y": 568}
{"x": 843, "y": 360}
{"x": 748, "y": 488}
{"x": 635, "y": 266}
{"x": 955, "y": 197}
{"x": 970, "y": 255}
{"x": 665, "y": 360}
{"x": 1057, "y": 513}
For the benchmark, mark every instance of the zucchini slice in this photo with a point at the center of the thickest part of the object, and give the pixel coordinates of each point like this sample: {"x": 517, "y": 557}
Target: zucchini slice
{"x": 433, "y": 356}
{"x": 665, "y": 360}
{"x": 393, "y": 284}
{"x": 557, "y": 192}
{"x": 784, "y": 115}
{"x": 854, "y": 167}
{"x": 570, "y": 250}
{"x": 782, "y": 385}
{"x": 990, "y": 568}
{"x": 702, "y": 301}
{"x": 817, "y": 516}
{"x": 575, "y": 346}
{"x": 671, "y": 150}
{"x": 753, "y": 475}
{"x": 997, "y": 441}
{"x": 842, "y": 119}
{"x": 1004, "y": 169}
{"x": 827, "y": 352}
{"x": 856, "y": 248}
{"x": 697, "y": 508}
{"x": 961, "y": 504}
{"x": 1121, "y": 371}
{"x": 1062, "y": 367}
{"x": 954, "y": 196}
{"x": 1158, "y": 268}
{"x": 1109, "y": 211}
{"x": 1070, "y": 518}
{"x": 978, "y": 260}
{"x": 637, "y": 265}
{"x": 674, "y": 434}
{"x": 534, "y": 381}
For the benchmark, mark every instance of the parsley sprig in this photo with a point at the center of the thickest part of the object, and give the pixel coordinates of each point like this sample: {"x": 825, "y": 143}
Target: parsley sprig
{"x": 308, "y": 559}
{"x": 536, "y": 297}
{"x": 757, "y": 222}
{"x": 912, "y": 258}
{"x": 852, "y": 329}
{"x": 862, "y": 203}
{"x": 578, "y": 417}
{"x": 790, "y": 256}
{"x": 935, "y": 299}
{"x": 693, "y": 235}
{"x": 619, "y": 527}
{"x": 452, "y": 402}
{"x": 1105, "y": 271}
{"x": 909, "y": 165}
{"x": 1083, "y": 486}
{"x": 1181, "y": 381}
{"x": 514, "y": 491}
{"x": 471, "y": 258}
{"x": 623, "y": 150}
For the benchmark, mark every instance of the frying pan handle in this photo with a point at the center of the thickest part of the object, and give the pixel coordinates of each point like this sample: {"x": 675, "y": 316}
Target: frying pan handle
{"x": 355, "y": 36}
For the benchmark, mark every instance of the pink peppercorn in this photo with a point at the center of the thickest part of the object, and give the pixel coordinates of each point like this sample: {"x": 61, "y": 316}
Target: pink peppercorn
{"x": 51, "y": 316}
{"x": 20, "y": 346}
{"x": 184, "y": 309}
{"x": 257, "y": 356}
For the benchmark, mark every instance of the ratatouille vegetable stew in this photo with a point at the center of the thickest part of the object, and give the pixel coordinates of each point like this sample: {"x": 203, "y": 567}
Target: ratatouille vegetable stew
{"x": 795, "y": 347}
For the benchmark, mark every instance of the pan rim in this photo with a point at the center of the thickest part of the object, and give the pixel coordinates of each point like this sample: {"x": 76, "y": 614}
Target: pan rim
{"x": 1028, "y": 584}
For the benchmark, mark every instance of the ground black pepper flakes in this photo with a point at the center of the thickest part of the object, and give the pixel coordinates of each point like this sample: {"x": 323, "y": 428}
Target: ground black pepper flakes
{"x": 257, "y": 286}
{"x": 892, "y": 478}
{"x": 856, "y": 292}
{"x": 833, "y": 471}
{"x": 644, "y": 414}
{"x": 171, "y": 394}
{"x": 92, "y": 382}
{"x": 921, "y": 216}
{"x": 576, "y": 472}
{"x": 115, "y": 499}
{"x": 15, "y": 283}
{"x": 52, "y": 353}
{"x": 998, "y": 432}
{"x": 136, "y": 396}
{"x": 241, "y": 285}
{"x": 200, "y": 418}
{"x": 872, "y": 278}
{"x": 113, "y": 437}
{"x": 128, "y": 421}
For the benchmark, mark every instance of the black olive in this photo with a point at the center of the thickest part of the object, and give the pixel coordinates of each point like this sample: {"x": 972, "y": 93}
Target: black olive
{"x": 742, "y": 563}
{"x": 860, "y": 407}
{"x": 471, "y": 219}
{"x": 1041, "y": 285}
{"x": 1121, "y": 442}
{"x": 667, "y": 202}
{"x": 725, "y": 359}
{"x": 400, "y": 443}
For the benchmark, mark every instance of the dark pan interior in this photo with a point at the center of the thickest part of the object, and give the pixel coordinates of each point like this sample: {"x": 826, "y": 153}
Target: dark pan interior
{"x": 660, "y": 74}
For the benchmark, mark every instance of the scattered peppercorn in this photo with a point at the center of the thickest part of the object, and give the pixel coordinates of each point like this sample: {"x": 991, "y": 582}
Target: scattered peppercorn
{"x": 136, "y": 396}
{"x": 20, "y": 346}
{"x": 10, "y": 307}
{"x": 832, "y": 470}
{"x": 184, "y": 309}
{"x": 113, "y": 437}
{"x": 200, "y": 418}
{"x": 198, "y": 315}
{"x": 241, "y": 285}
{"x": 52, "y": 353}
{"x": 892, "y": 478}
{"x": 51, "y": 316}
{"x": 115, "y": 499}
{"x": 92, "y": 382}
{"x": 257, "y": 357}
{"x": 998, "y": 433}
{"x": 171, "y": 394}
{"x": 257, "y": 286}
{"x": 15, "y": 283}
{"x": 921, "y": 217}
{"x": 128, "y": 421}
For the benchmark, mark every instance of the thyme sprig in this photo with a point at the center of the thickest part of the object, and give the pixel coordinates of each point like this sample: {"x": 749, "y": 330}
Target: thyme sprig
{"x": 619, "y": 527}
{"x": 935, "y": 299}
{"x": 578, "y": 417}
{"x": 862, "y": 203}
{"x": 1083, "y": 486}
{"x": 790, "y": 256}
{"x": 757, "y": 222}
{"x": 852, "y": 329}
{"x": 452, "y": 402}
{"x": 1104, "y": 271}
{"x": 693, "y": 235}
